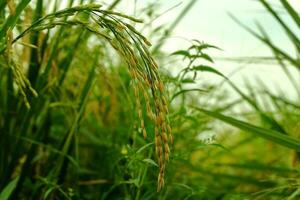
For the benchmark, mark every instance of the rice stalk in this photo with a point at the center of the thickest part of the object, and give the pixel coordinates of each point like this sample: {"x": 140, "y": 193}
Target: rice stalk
{"x": 20, "y": 79}
{"x": 133, "y": 48}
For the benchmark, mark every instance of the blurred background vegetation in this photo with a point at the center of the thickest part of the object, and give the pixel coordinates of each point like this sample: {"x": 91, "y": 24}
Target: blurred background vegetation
{"x": 70, "y": 122}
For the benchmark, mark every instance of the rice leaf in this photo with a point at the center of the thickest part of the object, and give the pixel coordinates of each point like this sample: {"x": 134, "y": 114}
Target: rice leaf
{"x": 11, "y": 21}
{"x": 268, "y": 134}
{"x": 8, "y": 189}
{"x": 292, "y": 12}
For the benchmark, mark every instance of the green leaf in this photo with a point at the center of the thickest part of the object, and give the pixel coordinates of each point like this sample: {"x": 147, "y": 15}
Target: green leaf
{"x": 292, "y": 12}
{"x": 185, "y": 91}
{"x": 12, "y": 19}
{"x": 181, "y": 53}
{"x": 187, "y": 80}
{"x": 132, "y": 181}
{"x": 203, "y": 56}
{"x": 150, "y": 161}
{"x": 144, "y": 147}
{"x": 207, "y": 69}
{"x": 268, "y": 134}
{"x": 206, "y": 57}
{"x": 48, "y": 192}
{"x": 268, "y": 43}
{"x": 251, "y": 165}
{"x": 6, "y": 192}
{"x": 288, "y": 31}
{"x": 202, "y": 46}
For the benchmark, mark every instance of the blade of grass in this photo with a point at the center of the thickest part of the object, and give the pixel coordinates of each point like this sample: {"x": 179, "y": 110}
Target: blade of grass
{"x": 267, "y": 42}
{"x": 264, "y": 117}
{"x": 293, "y": 13}
{"x": 274, "y": 136}
{"x": 291, "y": 35}
{"x": 7, "y": 191}
{"x": 34, "y": 64}
{"x": 11, "y": 21}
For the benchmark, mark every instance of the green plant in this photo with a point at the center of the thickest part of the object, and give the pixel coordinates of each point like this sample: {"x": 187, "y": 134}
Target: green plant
{"x": 34, "y": 124}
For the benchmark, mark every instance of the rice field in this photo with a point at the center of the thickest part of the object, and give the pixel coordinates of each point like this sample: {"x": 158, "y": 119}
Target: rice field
{"x": 92, "y": 106}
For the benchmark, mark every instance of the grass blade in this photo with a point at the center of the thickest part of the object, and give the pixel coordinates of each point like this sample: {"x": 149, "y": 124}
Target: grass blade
{"x": 12, "y": 19}
{"x": 292, "y": 12}
{"x": 268, "y": 43}
{"x": 7, "y": 191}
{"x": 288, "y": 31}
{"x": 271, "y": 135}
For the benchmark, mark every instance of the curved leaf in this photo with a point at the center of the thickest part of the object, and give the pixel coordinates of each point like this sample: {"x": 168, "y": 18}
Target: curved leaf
{"x": 207, "y": 69}
{"x": 274, "y": 136}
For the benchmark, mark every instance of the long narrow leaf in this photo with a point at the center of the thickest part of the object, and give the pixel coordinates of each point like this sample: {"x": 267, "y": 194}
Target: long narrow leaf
{"x": 288, "y": 31}
{"x": 274, "y": 48}
{"x": 268, "y": 134}
{"x": 12, "y": 19}
{"x": 291, "y": 12}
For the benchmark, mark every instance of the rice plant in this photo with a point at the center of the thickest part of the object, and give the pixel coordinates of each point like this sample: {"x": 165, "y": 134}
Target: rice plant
{"x": 88, "y": 19}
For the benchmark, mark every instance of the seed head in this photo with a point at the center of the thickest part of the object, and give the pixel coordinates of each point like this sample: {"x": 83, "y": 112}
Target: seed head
{"x": 144, "y": 133}
{"x": 165, "y": 137}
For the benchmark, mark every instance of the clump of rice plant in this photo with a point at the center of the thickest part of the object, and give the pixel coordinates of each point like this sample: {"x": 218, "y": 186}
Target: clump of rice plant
{"x": 130, "y": 45}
